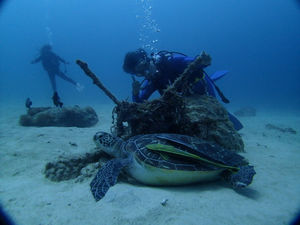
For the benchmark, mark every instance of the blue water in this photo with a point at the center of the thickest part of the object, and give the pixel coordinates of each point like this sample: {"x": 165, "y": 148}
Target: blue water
{"x": 257, "y": 41}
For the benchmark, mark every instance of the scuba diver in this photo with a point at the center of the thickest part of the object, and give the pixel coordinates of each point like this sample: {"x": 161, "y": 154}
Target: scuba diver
{"x": 51, "y": 63}
{"x": 162, "y": 68}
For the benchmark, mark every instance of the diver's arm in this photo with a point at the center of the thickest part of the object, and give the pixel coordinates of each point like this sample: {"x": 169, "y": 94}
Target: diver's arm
{"x": 183, "y": 61}
{"x": 36, "y": 60}
{"x": 147, "y": 89}
{"x": 61, "y": 59}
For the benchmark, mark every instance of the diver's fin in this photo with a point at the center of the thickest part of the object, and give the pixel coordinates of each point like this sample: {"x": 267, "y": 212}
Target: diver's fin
{"x": 79, "y": 87}
{"x": 28, "y": 103}
{"x": 172, "y": 150}
{"x": 236, "y": 123}
{"x": 219, "y": 74}
{"x": 216, "y": 77}
{"x": 56, "y": 100}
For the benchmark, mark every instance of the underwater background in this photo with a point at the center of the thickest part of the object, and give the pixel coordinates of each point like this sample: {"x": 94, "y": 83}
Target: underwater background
{"x": 258, "y": 41}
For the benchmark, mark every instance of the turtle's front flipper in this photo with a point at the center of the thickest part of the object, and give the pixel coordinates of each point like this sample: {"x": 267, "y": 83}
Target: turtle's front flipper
{"x": 243, "y": 177}
{"x": 106, "y": 177}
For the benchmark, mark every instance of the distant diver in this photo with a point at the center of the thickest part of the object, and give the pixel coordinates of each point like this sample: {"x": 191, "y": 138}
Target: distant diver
{"x": 56, "y": 100}
{"x": 163, "y": 68}
{"x": 28, "y": 103}
{"x": 51, "y": 63}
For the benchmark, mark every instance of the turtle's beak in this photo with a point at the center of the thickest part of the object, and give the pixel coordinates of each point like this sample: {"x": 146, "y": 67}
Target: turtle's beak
{"x": 96, "y": 136}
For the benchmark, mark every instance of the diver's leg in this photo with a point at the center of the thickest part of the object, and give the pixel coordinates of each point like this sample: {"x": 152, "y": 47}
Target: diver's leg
{"x": 55, "y": 97}
{"x": 56, "y": 100}
{"x": 79, "y": 87}
{"x": 66, "y": 78}
{"x": 52, "y": 80}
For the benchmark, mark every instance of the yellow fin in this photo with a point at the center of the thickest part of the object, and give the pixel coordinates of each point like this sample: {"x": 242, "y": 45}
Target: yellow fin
{"x": 172, "y": 150}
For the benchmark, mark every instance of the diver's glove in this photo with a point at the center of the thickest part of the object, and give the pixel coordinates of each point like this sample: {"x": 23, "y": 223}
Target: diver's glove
{"x": 136, "y": 86}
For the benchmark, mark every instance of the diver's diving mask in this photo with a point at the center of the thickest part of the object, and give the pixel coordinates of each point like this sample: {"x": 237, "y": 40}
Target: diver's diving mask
{"x": 142, "y": 67}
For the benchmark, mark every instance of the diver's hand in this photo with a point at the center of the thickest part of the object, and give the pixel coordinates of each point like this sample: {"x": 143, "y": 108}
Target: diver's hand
{"x": 136, "y": 86}
{"x": 206, "y": 59}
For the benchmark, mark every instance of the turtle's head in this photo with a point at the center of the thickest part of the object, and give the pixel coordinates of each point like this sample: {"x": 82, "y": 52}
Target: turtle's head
{"x": 108, "y": 143}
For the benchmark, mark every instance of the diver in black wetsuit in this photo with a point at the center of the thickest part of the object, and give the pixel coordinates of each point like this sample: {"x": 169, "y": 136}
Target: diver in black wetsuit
{"x": 163, "y": 68}
{"x": 51, "y": 63}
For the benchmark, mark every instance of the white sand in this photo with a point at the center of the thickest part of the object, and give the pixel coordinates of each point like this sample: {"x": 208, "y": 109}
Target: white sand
{"x": 31, "y": 199}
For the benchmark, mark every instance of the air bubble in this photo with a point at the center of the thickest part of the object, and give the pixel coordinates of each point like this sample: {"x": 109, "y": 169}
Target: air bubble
{"x": 148, "y": 27}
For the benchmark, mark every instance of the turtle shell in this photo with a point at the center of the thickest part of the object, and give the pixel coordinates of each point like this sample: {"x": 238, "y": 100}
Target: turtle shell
{"x": 204, "y": 149}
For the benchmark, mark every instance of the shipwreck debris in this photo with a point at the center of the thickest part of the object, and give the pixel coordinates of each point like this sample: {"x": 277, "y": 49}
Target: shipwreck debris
{"x": 178, "y": 110}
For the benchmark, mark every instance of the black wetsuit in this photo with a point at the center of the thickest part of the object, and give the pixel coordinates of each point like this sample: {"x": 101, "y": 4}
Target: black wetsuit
{"x": 51, "y": 62}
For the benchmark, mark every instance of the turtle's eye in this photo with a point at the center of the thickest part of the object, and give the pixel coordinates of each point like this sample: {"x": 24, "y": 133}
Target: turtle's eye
{"x": 100, "y": 137}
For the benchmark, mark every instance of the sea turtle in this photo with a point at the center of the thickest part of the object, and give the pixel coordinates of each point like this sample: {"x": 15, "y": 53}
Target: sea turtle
{"x": 167, "y": 159}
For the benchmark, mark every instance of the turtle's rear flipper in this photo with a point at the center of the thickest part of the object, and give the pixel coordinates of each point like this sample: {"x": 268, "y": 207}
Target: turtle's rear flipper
{"x": 106, "y": 177}
{"x": 243, "y": 177}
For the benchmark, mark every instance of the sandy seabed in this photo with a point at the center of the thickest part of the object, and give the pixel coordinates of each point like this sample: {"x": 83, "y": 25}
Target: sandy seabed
{"x": 31, "y": 199}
